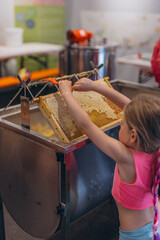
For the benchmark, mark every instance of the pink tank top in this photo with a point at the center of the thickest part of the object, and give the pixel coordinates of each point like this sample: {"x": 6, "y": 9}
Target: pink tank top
{"x": 137, "y": 195}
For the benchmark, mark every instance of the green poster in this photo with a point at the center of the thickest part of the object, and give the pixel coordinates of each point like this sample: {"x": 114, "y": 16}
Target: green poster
{"x": 43, "y": 24}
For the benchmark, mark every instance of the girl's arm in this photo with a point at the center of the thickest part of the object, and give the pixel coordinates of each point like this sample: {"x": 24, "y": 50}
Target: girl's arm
{"x": 85, "y": 84}
{"x": 110, "y": 146}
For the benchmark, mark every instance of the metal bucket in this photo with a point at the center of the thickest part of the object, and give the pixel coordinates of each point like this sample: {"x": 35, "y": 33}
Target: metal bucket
{"x": 76, "y": 58}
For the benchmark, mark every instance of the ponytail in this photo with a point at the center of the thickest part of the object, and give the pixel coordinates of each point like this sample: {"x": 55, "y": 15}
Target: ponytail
{"x": 156, "y": 235}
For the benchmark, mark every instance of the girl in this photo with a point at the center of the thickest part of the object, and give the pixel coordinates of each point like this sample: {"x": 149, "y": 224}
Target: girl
{"x": 136, "y": 154}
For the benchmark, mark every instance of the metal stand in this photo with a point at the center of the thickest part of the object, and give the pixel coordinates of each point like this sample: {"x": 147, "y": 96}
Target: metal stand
{"x": 25, "y": 117}
{"x": 71, "y": 77}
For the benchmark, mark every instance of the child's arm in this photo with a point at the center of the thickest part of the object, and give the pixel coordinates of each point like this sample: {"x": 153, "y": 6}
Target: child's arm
{"x": 85, "y": 84}
{"x": 110, "y": 146}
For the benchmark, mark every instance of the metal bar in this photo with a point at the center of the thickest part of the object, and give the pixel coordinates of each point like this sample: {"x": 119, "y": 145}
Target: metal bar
{"x": 56, "y": 87}
{"x": 77, "y": 75}
{"x": 42, "y": 89}
{"x": 96, "y": 68}
{"x": 25, "y": 114}
{"x": 82, "y": 74}
{"x": 98, "y": 74}
{"x": 30, "y": 92}
{"x": 13, "y": 98}
{"x": 36, "y": 82}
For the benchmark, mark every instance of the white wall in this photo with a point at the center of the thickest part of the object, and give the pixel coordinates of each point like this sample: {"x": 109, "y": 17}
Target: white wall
{"x": 6, "y": 15}
{"x": 73, "y": 8}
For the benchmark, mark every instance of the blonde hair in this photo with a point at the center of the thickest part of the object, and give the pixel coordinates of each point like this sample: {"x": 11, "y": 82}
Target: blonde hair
{"x": 143, "y": 115}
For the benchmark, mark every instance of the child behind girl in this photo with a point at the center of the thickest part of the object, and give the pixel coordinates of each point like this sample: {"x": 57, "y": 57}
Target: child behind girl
{"x": 136, "y": 153}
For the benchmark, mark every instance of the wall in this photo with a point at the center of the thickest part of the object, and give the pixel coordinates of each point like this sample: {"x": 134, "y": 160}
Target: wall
{"x": 74, "y": 7}
{"x": 73, "y": 11}
{"x": 6, "y": 15}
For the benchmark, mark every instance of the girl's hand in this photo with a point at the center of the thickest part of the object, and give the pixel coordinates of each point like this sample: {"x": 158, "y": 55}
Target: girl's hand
{"x": 65, "y": 87}
{"x": 84, "y": 84}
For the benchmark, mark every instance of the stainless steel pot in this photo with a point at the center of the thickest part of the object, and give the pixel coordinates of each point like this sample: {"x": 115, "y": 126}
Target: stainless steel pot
{"x": 75, "y": 58}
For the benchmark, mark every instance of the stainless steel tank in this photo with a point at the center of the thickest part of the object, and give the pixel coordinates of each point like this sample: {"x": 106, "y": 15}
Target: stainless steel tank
{"x": 131, "y": 89}
{"x": 45, "y": 184}
{"x": 41, "y": 178}
{"x": 75, "y": 58}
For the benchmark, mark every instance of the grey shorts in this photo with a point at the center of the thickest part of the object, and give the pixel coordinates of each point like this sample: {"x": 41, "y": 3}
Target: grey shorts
{"x": 143, "y": 233}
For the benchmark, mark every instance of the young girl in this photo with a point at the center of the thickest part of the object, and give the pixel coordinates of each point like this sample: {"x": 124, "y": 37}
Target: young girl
{"x": 136, "y": 153}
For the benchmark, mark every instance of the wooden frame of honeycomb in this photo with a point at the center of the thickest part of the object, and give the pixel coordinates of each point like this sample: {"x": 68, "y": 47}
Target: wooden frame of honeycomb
{"x": 101, "y": 111}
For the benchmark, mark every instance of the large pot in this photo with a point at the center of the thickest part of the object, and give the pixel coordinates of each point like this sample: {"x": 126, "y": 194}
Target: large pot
{"x": 75, "y": 58}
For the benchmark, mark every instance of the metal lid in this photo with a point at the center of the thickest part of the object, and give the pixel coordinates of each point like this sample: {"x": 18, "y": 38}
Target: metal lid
{"x": 92, "y": 46}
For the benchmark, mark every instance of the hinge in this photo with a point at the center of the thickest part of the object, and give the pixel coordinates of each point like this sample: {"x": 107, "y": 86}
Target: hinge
{"x": 61, "y": 209}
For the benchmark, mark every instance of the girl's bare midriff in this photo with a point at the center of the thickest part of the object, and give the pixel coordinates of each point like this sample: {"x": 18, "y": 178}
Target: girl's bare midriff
{"x": 133, "y": 219}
